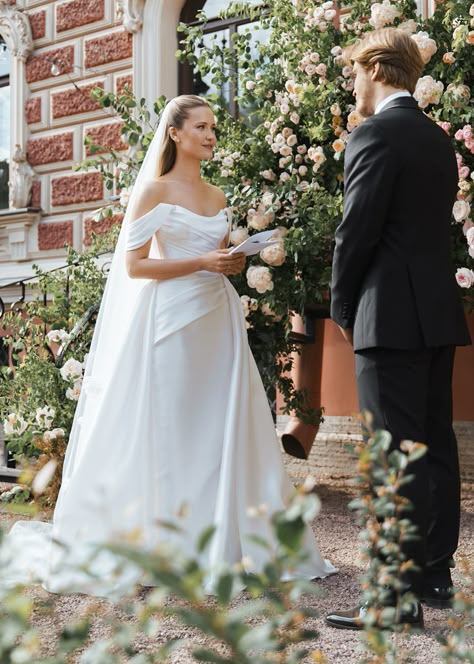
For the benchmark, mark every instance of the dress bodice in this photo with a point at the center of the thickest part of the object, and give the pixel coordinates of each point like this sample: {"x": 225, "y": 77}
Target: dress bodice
{"x": 180, "y": 232}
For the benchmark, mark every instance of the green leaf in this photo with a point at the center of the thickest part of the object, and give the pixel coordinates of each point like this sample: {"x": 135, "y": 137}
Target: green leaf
{"x": 204, "y": 538}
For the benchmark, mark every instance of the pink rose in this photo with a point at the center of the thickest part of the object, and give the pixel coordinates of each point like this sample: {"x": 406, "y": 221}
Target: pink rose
{"x": 464, "y": 277}
{"x": 464, "y": 172}
{"x": 470, "y": 236}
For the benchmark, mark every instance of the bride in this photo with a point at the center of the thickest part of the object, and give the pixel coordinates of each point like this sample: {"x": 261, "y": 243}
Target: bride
{"x": 173, "y": 413}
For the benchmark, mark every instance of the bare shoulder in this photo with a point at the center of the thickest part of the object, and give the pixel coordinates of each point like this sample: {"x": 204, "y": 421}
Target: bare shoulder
{"x": 217, "y": 195}
{"x": 151, "y": 193}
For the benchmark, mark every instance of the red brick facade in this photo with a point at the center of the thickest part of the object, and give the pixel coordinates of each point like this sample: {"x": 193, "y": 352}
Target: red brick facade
{"x": 76, "y": 189}
{"x": 50, "y": 149}
{"x": 78, "y": 12}
{"x": 54, "y": 235}
{"x": 121, "y": 82}
{"x": 38, "y": 24}
{"x": 38, "y": 67}
{"x": 108, "y": 48}
{"x": 108, "y": 135}
{"x": 33, "y": 110}
{"x": 72, "y": 101}
{"x": 99, "y": 227}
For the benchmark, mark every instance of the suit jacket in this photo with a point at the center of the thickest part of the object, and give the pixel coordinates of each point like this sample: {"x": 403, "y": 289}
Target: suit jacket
{"x": 393, "y": 278}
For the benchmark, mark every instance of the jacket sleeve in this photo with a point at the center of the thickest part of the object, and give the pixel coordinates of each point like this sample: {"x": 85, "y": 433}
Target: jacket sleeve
{"x": 369, "y": 179}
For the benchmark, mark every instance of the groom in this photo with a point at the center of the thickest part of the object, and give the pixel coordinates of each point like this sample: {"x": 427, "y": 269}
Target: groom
{"x": 395, "y": 298}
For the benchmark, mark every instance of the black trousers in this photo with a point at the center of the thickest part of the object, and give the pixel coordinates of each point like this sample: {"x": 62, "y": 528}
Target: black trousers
{"x": 409, "y": 393}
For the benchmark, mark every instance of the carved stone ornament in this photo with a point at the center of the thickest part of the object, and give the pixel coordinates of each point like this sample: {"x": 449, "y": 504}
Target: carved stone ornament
{"x": 21, "y": 179}
{"x": 130, "y": 12}
{"x": 16, "y": 31}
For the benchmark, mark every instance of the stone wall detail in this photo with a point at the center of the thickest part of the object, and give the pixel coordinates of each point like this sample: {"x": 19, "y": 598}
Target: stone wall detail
{"x": 99, "y": 227}
{"x": 38, "y": 24}
{"x": 130, "y": 12}
{"x": 50, "y": 149}
{"x": 54, "y": 234}
{"x": 33, "y": 110}
{"x": 74, "y": 100}
{"x": 81, "y": 188}
{"x": 21, "y": 179}
{"x": 108, "y": 135}
{"x": 78, "y": 12}
{"x": 108, "y": 48}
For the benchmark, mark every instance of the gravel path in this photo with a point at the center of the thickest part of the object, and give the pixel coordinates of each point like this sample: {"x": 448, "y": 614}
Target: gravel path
{"x": 336, "y": 531}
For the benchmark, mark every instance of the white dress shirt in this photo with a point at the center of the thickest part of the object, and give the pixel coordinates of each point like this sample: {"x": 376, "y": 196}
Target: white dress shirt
{"x": 381, "y": 105}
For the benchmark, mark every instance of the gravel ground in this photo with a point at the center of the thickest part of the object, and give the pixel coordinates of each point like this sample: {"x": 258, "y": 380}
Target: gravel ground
{"x": 336, "y": 532}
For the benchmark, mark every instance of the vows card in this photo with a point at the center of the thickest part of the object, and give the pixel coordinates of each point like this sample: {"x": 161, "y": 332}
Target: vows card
{"x": 255, "y": 243}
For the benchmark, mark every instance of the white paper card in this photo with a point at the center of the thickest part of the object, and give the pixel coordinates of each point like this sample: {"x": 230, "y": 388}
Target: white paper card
{"x": 255, "y": 243}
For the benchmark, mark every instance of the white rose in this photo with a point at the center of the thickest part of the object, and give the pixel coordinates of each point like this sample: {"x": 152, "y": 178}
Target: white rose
{"x": 74, "y": 392}
{"x": 228, "y": 161}
{"x": 302, "y": 170}
{"x": 57, "y": 433}
{"x": 57, "y": 336}
{"x": 408, "y": 26}
{"x": 461, "y": 210}
{"x": 426, "y": 45}
{"x": 14, "y": 424}
{"x": 428, "y": 91}
{"x": 259, "y": 221}
{"x": 259, "y": 278}
{"x": 284, "y": 177}
{"x": 292, "y": 140}
{"x": 274, "y": 255}
{"x": 470, "y": 236}
{"x": 238, "y": 235}
{"x": 294, "y": 117}
{"x": 310, "y": 70}
{"x": 249, "y": 85}
{"x": 285, "y": 151}
{"x": 382, "y": 14}
{"x": 464, "y": 277}
{"x": 267, "y": 198}
{"x": 125, "y": 196}
{"x": 45, "y": 416}
{"x": 71, "y": 370}
{"x": 268, "y": 175}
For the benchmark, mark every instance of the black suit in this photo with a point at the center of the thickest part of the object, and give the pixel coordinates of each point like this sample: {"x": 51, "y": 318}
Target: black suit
{"x": 393, "y": 283}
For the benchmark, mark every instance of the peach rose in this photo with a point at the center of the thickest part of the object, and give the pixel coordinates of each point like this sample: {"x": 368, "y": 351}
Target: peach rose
{"x": 260, "y": 278}
{"x": 274, "y": 255}
{"x": 238, "y": 235}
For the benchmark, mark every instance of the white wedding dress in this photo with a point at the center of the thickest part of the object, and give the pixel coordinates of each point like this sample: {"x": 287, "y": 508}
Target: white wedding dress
{"x": 180, "y": 431}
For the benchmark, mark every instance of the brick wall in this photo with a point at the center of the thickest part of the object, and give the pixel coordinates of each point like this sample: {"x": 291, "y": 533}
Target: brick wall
{"x": 89, "y": 47}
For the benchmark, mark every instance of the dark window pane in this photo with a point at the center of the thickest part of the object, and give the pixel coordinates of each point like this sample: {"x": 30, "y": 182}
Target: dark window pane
{"x": 4, "y": 124}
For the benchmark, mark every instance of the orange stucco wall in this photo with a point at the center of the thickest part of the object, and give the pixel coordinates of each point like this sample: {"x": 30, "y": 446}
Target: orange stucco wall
{"x": 327, "y": 369}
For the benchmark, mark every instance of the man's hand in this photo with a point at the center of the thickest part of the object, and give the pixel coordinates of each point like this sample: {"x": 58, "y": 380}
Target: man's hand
{"x": 347, "y": 334}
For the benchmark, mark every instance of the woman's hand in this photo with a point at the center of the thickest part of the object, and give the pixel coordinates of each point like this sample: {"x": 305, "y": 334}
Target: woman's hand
{"x": 223, "y": 262}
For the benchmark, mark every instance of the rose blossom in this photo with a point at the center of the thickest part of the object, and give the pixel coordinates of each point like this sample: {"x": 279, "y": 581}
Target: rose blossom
{"x": 338, "y": 146}
{"x": 464, "y": 277}
{"x": 74, "y": 392}
{"x": 44, "y": 416}
{"x": 57, "y": 336}
{"x": 382, "y": 14}
{"x": 302, "y": 170}
{"x": 274, "y": 255}
{"x": 284, "y": 177}
{"x": 426, "y": 45}
{"x": 310, "y": 70}
{"x": 347, "y": 71}
{"x": 446, "y": 126}
{"x": 408, "y": 26}
{"x": 259, "y": 221}
{"x": 335, "y": 109}
{"x": 14, "y": 424}
{"x": 294, "y": 117}
{"x": 461, "y": 210}
{"x": 321, "y": 69}
{"x": 470, "y": 236}
{"x": 71, "y": 370}
{"x": 448, "y": 58}
{"x": 292, "y": 140}
{"x": 238, "y": 235}
{"x": 249, "y": 85}
{"x": 428, "y": 91}
{"x": 248, "y": 304}
{"x": 125, "y": 196}
{"x": 268, "y": 175}
{"x": 260, "y": 278}
{"x": 354, "y": 119}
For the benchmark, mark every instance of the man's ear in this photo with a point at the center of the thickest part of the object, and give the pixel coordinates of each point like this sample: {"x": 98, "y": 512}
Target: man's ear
{"x": 374, "y": 72}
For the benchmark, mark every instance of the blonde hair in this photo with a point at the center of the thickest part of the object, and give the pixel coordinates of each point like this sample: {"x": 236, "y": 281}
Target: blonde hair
{"x": 396, "y": 52}
{"x": 177, "y": 114}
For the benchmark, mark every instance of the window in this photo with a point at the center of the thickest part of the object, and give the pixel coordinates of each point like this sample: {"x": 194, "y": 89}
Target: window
{"x": 190, "y": 82}
{"x": 4, "y": 122}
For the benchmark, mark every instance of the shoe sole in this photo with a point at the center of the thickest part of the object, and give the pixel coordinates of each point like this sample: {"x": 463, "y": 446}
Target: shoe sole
{"x": 354, "y": 628}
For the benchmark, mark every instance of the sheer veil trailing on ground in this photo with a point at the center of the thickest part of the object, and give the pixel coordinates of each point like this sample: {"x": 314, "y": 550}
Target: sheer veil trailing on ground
{"x": 172, "y": 412}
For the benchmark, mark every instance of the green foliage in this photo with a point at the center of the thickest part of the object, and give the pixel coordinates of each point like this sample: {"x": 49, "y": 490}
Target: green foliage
{"x": 61, "y": 299}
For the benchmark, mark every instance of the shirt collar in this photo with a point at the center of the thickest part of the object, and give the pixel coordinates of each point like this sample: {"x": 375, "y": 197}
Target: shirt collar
{"x": 381, "y": 105}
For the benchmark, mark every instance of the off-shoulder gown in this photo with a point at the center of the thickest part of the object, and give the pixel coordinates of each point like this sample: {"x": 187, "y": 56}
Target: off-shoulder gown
{"x": 185, "y": 433}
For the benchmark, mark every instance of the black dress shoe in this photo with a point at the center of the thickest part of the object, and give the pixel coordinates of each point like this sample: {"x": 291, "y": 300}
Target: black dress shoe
{"x": 354, "y": 618}
{"x": 438, "y": 597}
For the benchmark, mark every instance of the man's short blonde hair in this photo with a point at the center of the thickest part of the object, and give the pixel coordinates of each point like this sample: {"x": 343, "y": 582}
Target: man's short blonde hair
{"x": 396, "y": 52}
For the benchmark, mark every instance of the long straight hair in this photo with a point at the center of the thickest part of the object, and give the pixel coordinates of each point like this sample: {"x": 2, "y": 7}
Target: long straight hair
{"x": 177, "y": 114}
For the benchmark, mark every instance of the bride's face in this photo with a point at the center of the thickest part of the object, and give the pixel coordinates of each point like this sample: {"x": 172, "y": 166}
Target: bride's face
{"x": 197, "y": 137}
